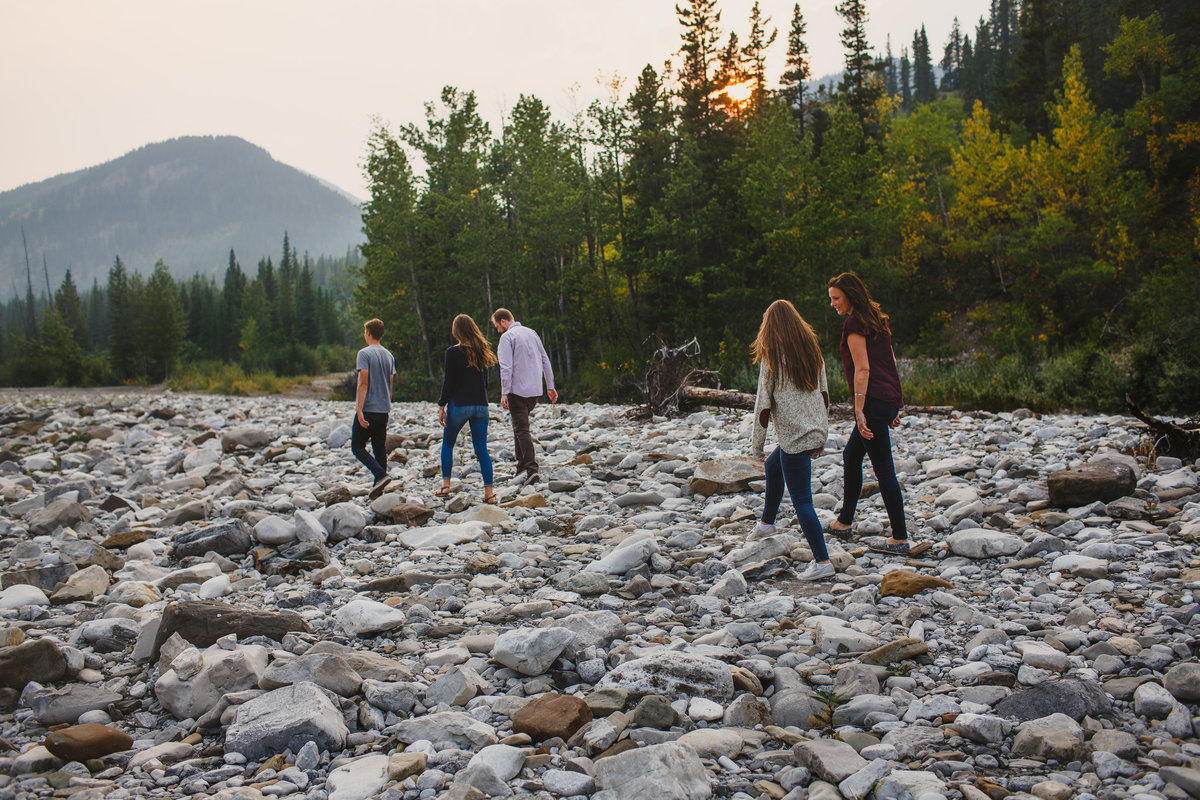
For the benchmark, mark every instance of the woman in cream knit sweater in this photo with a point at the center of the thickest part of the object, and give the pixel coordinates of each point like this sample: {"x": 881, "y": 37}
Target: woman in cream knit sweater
{"x": 793, "y": 394}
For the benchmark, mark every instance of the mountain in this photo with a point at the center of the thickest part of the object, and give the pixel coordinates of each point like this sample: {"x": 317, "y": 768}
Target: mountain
{"x": 186, "y": 201}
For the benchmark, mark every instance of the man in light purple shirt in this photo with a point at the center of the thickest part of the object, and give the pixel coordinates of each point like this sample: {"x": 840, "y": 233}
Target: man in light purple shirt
{"x": 523, "y": 365}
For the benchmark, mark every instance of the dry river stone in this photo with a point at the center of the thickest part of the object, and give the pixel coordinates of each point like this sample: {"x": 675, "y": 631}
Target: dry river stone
{"x": 90, "y": 740}
{"x": 36, "y": 660}
{"x": 663, "y": 770}
{"x": 1103, "y": 480}
{"x": 231, "y": 537}
{"x": 285, "y": 719}
{"x": 672, "y": 674}
{"x": 725, "y": 476}
{"x": 203, "y": 622}
{"x": 1070, "y": 696}
{"x": 902, "y": 583}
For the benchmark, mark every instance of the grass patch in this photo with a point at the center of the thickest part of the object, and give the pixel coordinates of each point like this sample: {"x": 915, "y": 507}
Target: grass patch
{"x": 213, "y": 377}
{"x": 1083, "y": 379}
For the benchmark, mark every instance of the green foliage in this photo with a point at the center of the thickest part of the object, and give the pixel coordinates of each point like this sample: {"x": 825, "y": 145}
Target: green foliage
{"x": 830, "y": 702}
{"x": 214, "y": 377}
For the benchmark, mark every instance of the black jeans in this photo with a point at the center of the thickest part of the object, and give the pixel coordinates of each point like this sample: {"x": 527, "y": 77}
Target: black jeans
{"x": 879, "y": 417}
{"x": 376, "y": 431}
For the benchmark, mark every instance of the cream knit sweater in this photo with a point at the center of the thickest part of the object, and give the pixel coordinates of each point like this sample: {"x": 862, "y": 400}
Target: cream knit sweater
{"x": 801, "y": 419}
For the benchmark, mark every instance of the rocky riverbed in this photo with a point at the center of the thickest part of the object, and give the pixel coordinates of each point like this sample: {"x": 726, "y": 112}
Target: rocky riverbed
{"x": 198, "y": 600}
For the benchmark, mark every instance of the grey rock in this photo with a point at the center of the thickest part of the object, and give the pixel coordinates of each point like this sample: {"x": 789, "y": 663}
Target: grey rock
{"x": 286, "y": 719}
{"x": 659, "y": 771}
{"x": 672, "y": 674}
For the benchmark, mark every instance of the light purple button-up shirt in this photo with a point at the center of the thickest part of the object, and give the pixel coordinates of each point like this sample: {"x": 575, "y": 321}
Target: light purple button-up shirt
{"x": 523, "y": 362}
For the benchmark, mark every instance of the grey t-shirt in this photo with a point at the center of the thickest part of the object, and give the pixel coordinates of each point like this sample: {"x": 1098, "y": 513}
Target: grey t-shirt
{"x": 380, "y": 365}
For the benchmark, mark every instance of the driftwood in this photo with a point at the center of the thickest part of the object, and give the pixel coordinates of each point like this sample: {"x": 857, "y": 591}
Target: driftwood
{"x": 1182, "y": 441}
{"x": 673, "y": 387}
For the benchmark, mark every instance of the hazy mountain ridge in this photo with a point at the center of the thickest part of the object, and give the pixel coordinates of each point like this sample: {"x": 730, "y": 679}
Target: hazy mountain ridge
{"x": 186, "y": 201}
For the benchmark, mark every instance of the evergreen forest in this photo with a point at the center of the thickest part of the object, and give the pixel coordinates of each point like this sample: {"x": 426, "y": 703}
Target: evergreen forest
{"x": 1023, "y": 200}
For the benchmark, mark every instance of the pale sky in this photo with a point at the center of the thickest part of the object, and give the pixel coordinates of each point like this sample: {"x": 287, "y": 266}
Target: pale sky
{"x": 86, "y": 81}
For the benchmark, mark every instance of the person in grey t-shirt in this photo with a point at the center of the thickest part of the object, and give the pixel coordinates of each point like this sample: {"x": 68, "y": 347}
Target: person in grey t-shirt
{"x": 373, "y": 401}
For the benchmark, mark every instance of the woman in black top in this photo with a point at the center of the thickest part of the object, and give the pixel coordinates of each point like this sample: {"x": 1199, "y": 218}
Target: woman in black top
{"x": 464, "y": 400}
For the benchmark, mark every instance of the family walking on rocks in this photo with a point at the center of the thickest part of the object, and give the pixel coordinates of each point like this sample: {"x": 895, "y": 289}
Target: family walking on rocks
{"x": 463, "y": 401}
{"x": 792, "y": 393}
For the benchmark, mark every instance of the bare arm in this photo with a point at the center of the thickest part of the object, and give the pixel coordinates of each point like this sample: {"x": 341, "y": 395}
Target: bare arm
{"x": 862, "y": 377}
{"x": 360, "y": 397}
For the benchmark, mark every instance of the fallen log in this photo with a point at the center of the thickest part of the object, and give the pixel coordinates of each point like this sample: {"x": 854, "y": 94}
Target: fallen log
{"x": 727, "y": 398}
{"x": 1169, "y": 438}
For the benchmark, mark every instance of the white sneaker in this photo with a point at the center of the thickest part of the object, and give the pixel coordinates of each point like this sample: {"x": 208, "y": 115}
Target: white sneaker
{"x": 815, "y": 571}
{"x": 761, "y": 531}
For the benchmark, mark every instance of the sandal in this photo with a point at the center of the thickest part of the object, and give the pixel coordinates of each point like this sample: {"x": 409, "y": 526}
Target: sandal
{"x": 491, "y": 499}
{"x": 442, "y": 492}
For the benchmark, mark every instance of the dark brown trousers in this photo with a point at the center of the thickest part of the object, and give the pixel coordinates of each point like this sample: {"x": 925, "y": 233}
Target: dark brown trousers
{"x": 520, "y": 407}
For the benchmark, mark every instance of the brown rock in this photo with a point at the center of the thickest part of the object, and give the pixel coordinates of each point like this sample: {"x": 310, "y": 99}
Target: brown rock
{"x": 37, "y": 660}
{"x": 899, "y": 650}
{"x": 997, "y": 678}
{"x": 412, "y": 514}
{"x": 394, "y": 440}
{"x": 620, "y": 747}
{"x": 117, "y": 503}
{"x": 535, "y": 500}
{"x": 405, "y": 765}
{"x": 91, "y": 740}
{"x": 124, "y": 539}
{"x": 202, "y": 622}
{"x": 552, "y": 715}
{"x": 902, "y": 583}
{"x": 1104, "y": 481}
{"x": 746, "y": 681}
{"x": 338, "y": 494}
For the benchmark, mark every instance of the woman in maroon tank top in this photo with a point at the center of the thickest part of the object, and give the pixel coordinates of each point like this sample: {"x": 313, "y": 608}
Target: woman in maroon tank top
{"x": 870, "y": 367}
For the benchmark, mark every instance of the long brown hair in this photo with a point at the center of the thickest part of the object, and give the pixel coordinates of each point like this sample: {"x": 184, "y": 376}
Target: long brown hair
{"x": 866, "y": 310}
{"x": 478, "y": 351}
{"x": 789, "y": 346}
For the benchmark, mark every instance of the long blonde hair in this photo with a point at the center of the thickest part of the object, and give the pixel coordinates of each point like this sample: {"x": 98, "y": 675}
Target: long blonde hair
{"x": 470, "y": 339}
{"x": 789, "y": 346}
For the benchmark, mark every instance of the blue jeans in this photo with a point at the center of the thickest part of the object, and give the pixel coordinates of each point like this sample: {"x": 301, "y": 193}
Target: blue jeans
{"x": 879, "y": 419}
{"x": 794, "y": 470}
{"x": 456, "y": 417}
{"x": 376, "y": 432}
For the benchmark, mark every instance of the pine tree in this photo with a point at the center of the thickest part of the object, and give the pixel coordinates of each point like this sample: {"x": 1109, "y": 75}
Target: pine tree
{"x": 798, "y": 69}
{"x": 700, "y": 35}
{"x": 906, "y": 96}
{"x": 163, "y": 323}
{"x": 952, "y": 58}
{"x": 891, "y": 81}
{"x": 755, "y": 51}
{"x": 924, "y": 89}
{"x": 70, "y": 310}
{"x": 860, "y": 83}
{"x": 125, "y": 350}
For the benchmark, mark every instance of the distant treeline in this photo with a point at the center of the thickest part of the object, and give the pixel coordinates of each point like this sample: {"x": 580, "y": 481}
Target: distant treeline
{"x": 289, "y": 319}
{"x": 1037, "y": 209}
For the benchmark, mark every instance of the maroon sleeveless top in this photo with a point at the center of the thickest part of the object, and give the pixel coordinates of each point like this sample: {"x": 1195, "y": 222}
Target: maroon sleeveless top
{"x": 884, "y": 383}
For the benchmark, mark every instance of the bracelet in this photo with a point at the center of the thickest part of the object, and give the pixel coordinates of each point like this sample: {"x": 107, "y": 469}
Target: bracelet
{"x": 856, "y": 394}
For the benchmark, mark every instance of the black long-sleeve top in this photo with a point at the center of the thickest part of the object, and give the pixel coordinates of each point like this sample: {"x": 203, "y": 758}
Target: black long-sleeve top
{"x": 462, "y": 385}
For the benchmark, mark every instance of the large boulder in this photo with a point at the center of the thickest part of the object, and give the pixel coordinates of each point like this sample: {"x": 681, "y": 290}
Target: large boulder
{"x": 725, "y": 476}
{"x": 286, "y": 719}
{"x": 672, "y": 674}
{"x": 59, "y": 514}
{"x": 983, "y": 543}
{"x": 1070, "y": 696}
{"x": 197, "y": 680}
{"x": 1102, "y": 480}
{"x": 531, "y": 651}
{"x": 670, "y": 770}
{"x": 203, "y": 622}
{"x": 36, "y": 660}
{"x": 229, "y": 537}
